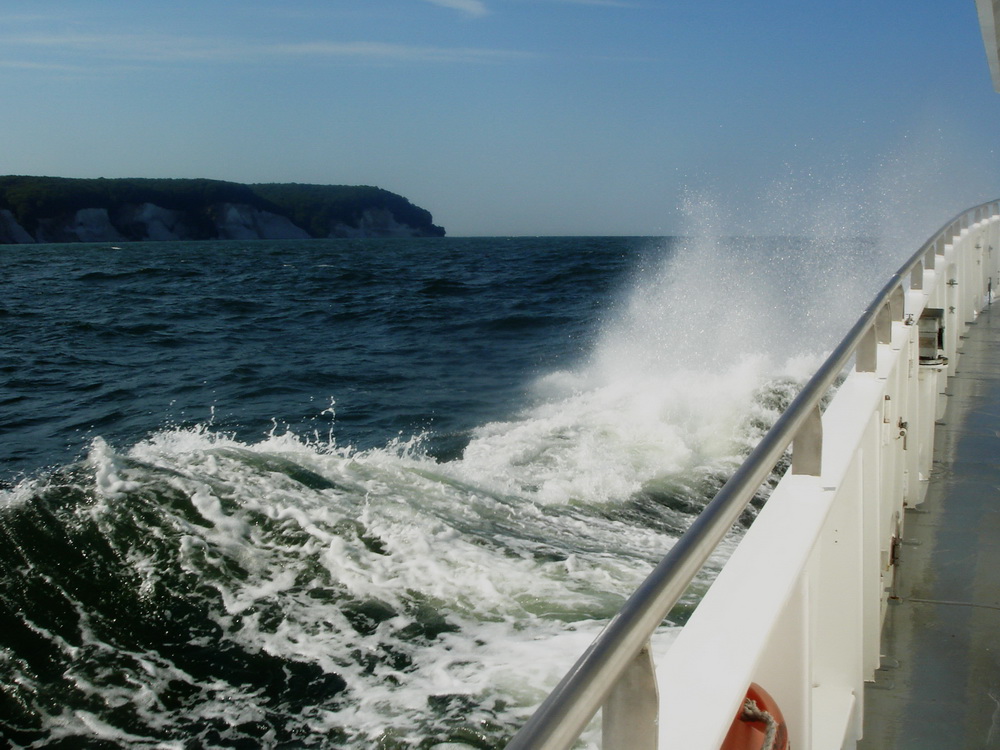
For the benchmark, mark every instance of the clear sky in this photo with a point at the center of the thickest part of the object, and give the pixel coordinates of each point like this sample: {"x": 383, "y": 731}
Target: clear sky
{"x": 510, "y": 117}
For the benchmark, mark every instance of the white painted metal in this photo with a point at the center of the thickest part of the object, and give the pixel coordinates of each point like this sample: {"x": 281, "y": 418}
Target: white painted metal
{"x": 799, "y": 605}
{"x": 631, "y": 710}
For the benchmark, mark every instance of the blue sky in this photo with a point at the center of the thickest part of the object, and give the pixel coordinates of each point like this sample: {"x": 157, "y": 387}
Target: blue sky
{"x": 507, "y": 117}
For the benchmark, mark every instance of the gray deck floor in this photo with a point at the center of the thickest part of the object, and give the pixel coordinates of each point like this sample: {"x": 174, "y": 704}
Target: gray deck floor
{"x": 939, "y": 686}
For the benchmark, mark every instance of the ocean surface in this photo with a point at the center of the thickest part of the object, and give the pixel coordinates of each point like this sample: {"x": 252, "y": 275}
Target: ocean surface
{"x": 366, "y": 493}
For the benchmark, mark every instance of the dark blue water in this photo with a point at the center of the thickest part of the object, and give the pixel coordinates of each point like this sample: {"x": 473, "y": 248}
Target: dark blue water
{"x": 404, "y": 336}
{"x": 108, "y": 639}
{"x": 362, "y": 493}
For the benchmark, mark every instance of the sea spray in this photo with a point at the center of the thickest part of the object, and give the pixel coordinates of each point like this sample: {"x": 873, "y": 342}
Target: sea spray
{"x": 673, "y": 384}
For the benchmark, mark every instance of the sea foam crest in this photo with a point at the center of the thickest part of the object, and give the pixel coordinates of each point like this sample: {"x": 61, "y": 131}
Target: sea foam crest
{"x": 379, "y": 567}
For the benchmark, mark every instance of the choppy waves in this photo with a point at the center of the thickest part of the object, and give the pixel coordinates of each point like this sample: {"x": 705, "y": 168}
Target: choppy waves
{"x": 224, "y": 592}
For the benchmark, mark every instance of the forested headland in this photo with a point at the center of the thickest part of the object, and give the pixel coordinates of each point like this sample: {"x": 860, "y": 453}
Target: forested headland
{"x": 60, "y": 209}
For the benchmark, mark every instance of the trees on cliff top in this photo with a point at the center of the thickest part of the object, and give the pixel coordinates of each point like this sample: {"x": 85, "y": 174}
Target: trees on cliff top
{"x": 315, "y": 208}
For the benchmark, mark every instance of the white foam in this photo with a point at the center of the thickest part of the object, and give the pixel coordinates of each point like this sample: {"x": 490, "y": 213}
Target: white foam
{"x": 108, "y": 470}
{"x": 438, "y": 542}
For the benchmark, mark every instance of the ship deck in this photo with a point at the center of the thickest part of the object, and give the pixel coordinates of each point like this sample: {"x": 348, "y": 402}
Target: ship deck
{"x": 939, "y": 684}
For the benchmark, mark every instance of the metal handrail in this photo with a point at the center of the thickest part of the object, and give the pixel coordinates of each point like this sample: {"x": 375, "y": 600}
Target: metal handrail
{"x": 562, "y": 717}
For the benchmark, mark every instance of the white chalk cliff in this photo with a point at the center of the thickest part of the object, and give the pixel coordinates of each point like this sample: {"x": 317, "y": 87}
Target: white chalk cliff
{"x": 228, "y": 221}
{"x": 241, "y": 222}
{"x": 10, "y": 231}
{"x": 160, "y": 224}
{"x": 374, "y": 222}
{"x": 86, "y": 225}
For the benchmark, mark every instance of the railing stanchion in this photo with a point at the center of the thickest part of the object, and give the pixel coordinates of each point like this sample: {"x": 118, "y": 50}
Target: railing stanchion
{"x": 807, "y": 447}
{"x": 883, "y": 324}
{"x": 629, "y": 715}
{"x": 867, "y": 352}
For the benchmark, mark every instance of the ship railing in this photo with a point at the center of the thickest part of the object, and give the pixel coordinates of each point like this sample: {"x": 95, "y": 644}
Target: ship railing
{"x": 798, "y": 606}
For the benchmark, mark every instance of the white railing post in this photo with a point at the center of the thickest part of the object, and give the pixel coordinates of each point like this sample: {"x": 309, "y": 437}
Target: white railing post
{"x": 807, "y": 448}
{"x": 629, "y": 715}
{"x": 866, "y": 355}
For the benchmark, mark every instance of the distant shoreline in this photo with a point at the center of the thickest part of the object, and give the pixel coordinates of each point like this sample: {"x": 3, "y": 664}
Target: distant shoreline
{"x": 41, "y": 210}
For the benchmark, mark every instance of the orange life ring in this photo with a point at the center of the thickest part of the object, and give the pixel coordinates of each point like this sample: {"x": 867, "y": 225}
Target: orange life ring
{"x": 749, "y": 730}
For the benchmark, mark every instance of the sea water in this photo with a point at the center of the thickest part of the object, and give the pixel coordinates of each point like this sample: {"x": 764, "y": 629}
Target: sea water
{"x": 366, "y": 493}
